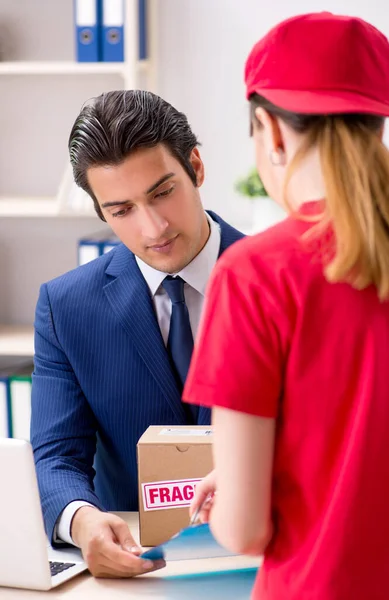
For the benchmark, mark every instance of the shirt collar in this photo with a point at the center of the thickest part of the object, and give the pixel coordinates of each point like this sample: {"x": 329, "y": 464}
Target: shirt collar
{"x": 197, "y": 272}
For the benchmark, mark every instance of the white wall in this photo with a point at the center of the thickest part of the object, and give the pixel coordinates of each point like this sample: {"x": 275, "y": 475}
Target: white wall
{"x": 203, "y": 46}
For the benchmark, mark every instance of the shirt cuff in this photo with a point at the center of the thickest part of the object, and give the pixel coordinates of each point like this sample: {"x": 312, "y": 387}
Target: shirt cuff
{"x": 64, "y": 522}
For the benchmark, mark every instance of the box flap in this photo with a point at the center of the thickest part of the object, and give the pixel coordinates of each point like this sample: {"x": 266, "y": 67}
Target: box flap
{"x": 175, "y": 434}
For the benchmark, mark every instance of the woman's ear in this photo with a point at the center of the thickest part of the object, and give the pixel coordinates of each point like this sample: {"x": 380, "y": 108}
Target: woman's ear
{"x": 272, "y": 132}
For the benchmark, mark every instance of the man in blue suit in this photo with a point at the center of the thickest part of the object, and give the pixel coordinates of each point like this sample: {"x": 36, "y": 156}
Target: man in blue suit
{"x": 113, "y": 338}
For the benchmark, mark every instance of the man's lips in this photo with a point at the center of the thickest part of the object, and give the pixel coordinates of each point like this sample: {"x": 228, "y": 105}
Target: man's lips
{"x": 163, "y": 245}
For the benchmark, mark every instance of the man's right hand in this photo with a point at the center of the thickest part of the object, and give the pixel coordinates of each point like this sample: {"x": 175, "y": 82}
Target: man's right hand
{"x": 107, "y": 545}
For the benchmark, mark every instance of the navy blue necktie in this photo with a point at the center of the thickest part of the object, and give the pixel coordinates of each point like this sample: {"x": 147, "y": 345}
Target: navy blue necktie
{"x": 180, "y": 340}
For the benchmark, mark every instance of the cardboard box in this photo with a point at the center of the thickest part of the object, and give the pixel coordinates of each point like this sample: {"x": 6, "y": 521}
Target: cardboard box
{"x": 171, "y": 460}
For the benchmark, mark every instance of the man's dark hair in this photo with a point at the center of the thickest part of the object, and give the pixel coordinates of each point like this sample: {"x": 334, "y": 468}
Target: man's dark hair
{"x": 117, "y": 123}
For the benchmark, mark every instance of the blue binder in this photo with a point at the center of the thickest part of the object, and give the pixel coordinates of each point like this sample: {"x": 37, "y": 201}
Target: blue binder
{"x": 89, "y": 249}
{"x": 110, "y": 243}
{"x": 5, "y": 407}
{"x": 112, "y": 31}
{"x": 87, "y": 17}
{"x": 95, "y": 245}
{"x": 9, "y": 369}
{"x": 20, "y": 390}
{"x": 142, "y": 13}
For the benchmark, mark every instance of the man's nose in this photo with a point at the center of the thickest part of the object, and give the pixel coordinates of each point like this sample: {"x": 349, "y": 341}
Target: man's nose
{"x": 153, "y": 225}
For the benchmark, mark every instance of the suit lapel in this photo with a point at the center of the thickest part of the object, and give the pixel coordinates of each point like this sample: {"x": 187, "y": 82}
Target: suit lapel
{"x": 129, "y": 296}
{"x": 228, "y": 234}
{"x": 130, "y": 299}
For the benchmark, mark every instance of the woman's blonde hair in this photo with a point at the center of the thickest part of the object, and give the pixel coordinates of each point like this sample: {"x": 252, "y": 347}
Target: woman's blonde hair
{"x": 355, "y": 165}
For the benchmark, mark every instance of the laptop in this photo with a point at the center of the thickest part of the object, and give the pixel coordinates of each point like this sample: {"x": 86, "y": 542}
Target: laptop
{"x": 26, "y": 558}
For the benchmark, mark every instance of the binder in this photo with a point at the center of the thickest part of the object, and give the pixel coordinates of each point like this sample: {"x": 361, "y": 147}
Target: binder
{"x": 87, "y": 16}
{"x": 8, "y": 367}
{"x": 5, "y": 420}
{"x": 91, "y": 247}
{"x": 142, "y": 19}
{"x": 110, "y": 243}
{"x": 112, "y": 31}
{"x": 88, "y": 250}
{"x": 20, "y": 401}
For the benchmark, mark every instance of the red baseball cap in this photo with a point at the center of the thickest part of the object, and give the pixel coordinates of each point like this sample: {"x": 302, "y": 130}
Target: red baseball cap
{"x": 322, "y": 63}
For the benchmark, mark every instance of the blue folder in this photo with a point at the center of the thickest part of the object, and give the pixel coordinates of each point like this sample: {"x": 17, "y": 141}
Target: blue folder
{"x": 9, "y": 369}
{"x": 142, "y": 12}
{"x": 112, "y": 30}
{"x": 5, "y": 406}
{"x": 193, "y": 542}
{"x": 93, "y": 246}
{"x": 87, "y": 17}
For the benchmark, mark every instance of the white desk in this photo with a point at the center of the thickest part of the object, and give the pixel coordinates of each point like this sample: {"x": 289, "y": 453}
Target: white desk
{"x": 179, "y": 580}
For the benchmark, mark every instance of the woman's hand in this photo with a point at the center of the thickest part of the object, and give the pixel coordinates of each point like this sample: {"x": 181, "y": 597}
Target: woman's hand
{"x": 204, "y": 497}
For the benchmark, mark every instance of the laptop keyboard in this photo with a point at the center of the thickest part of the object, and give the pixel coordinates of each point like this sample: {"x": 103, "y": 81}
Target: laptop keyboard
{"x": 58, "y": 567}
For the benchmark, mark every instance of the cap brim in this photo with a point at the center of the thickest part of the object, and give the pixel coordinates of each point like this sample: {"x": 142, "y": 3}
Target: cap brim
{"x": 324, "y": 102}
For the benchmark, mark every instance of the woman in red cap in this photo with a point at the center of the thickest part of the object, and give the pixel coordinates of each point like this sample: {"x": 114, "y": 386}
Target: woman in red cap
{"x": 294, "y": 346}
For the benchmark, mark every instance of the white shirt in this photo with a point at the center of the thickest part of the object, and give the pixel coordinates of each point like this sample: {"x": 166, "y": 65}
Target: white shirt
{"x": 195, "y": 275}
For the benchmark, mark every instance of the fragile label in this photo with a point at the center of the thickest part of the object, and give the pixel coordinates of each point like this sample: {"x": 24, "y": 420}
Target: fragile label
{"x": 183, "y": 432}
{"x": 160, "y": 495}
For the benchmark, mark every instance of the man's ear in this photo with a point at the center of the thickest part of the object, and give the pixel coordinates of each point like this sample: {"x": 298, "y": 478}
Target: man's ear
{"x": 272, "y": 131}
{"x": 198, "y": 166}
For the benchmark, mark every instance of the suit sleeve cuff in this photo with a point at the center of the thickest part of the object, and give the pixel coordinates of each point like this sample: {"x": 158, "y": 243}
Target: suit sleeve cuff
{"x": 63, "y": 525}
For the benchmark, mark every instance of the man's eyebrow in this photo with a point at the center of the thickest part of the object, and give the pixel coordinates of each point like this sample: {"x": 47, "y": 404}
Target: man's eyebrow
{"x": 152, "y": 188}
{"x": 160, "y": 181}
{"x": 115, "y": 203}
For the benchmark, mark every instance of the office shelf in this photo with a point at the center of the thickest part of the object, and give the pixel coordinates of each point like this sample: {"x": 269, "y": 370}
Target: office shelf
{"x": 59, "y": 68}
{"x": 66, "y": 68}
{"x": 38, "y": 207}
{"x": 28, "y": 207}
{"x": 16, "y": 340}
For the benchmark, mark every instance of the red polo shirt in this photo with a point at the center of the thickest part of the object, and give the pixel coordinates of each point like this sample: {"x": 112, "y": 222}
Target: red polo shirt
{"x": 278, "y": 340}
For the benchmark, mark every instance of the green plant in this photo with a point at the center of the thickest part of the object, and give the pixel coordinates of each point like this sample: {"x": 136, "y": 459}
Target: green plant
{"x": 251, "y": 185}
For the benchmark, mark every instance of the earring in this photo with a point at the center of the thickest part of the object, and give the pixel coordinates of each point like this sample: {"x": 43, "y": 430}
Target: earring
{"x": 277, "y": 157}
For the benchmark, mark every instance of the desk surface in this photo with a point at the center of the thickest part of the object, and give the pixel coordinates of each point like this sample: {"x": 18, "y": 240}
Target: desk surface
{"x": 189, "y": 580}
